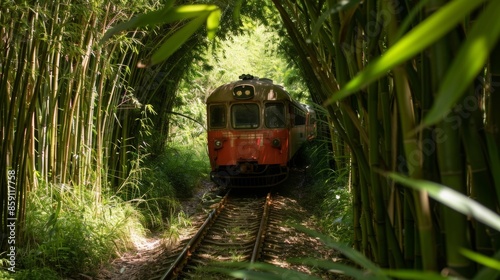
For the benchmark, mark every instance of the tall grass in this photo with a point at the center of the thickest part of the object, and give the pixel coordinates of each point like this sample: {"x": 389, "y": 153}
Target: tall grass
{"x": 64, "y": 233}
{"x": 328, "y": 188}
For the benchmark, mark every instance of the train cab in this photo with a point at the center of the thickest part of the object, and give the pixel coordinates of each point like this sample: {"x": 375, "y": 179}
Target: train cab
{"x": 254, "y": 129}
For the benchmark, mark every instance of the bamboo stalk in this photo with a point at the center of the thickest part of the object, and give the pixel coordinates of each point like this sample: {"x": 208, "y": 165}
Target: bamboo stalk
{"x": 380, "y": 210}
{"x": 491, "y": 129}
{"x": 482, "y": 184}
{"x": 451, "y": 168}
{"x": 455, "y": 224}
{"x": 359, "y": 228}
{"x": 413, "y": 155}
{"x": 414, "y": 158}
{"x": 364, "y": 172}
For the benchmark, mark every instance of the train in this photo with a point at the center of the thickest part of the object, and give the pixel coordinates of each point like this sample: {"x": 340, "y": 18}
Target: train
{"x": 254, "y": 129}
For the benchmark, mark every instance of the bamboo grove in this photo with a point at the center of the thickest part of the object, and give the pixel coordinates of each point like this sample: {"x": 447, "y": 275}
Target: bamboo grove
{"x": 75, "y": 111}
{"x": 61, "y": 95}
{"x": 381, "y": 121}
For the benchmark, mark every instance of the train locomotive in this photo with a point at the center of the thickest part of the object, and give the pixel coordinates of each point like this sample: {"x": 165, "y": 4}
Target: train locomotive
{"x": 254, "y": 130}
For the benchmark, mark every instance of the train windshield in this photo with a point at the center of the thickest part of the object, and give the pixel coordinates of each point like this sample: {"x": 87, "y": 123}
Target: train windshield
{"x": 217, "y": 116}
{"x": 275, "y": 115}
{"x": 245, "y": 115}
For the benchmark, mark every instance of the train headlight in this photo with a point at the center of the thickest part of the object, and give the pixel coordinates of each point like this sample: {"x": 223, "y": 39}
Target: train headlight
{"x": 217, "y": 144}
{"x": 276, "y": 143}
{"x": 243, "y": 92}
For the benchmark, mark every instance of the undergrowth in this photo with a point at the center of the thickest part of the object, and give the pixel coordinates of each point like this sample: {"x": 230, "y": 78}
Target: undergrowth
{"x": 168, "y": 177}
{"x": 329, "y": 189}
{"x": 67, "y": 232}
{"x": 181, "y": 167}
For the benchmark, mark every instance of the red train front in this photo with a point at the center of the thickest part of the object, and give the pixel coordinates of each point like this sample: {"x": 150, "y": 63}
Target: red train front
{"x": 254, "y": 129}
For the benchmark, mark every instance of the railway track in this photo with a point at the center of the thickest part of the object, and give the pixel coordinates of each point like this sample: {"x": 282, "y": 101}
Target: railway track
{"x": 234, "y": 231}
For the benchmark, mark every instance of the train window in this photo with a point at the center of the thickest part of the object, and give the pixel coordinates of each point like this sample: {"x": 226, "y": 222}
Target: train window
{"x": 300, "y": 117}
{"x": 245, "y": 115}
{"x": 275, "y": 115}
{"x": 217, "y": 116}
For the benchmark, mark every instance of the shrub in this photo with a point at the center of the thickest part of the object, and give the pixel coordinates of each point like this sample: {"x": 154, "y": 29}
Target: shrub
{"x": 165, "y": 178}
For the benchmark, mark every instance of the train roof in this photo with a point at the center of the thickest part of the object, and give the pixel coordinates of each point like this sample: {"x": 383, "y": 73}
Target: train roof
{"x": 257, "y": 89}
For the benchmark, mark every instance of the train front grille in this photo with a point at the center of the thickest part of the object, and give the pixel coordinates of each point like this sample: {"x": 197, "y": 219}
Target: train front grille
{"x": 227, "y": 177}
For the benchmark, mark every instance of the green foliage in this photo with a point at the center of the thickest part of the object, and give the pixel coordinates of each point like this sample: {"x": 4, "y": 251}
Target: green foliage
{"x": 166, "y": 177}
{"x": 176, "y": 222}
{"x": 185, "y": 166}
{"x": 255, "y": 51}
{"x": 197, "y": 14}
{"x": 36, "y": 273}
{"x": 5, "y": 275}
{"x": 453, "y": 199}
{"x": 329, "y": 187}
{"x": 467, "y": 64}
{"x": 336, "y": 209}
{"x": 416, "y": 41}
{"x": 483, "y": 260}
{"x": 69, "y": 233}
{"x": 384, "y": 70}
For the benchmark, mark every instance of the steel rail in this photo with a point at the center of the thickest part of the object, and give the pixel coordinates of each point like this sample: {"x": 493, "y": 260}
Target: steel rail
{"x": 182, "y": 259}
{"x": 263, "y": 225}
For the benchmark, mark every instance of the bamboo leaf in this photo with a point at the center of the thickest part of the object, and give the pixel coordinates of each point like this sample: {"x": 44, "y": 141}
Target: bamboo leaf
{"x": 199, "y": 13}
{"x": 419, "y": 38}
{"x": 417, "y": 275}
{"x": 481, "y": 259}
{"x": 191, "y": 11}
{"x": 452, "y": 199}
{"x": 339, "y": 268}
{"x": 165, "y": 15}
{"x": 175, "y": 41}
{"x": 261, "y": 271}
{"x": 275, "y": 273}
{"x": 213, "y": 21}
{"x": 142, "y": 20}
{"x": 249, "y": 274}
{"x": 467, "y": 64}
{"x": 347, "y": 251}
{"x": 489, "y": 272}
